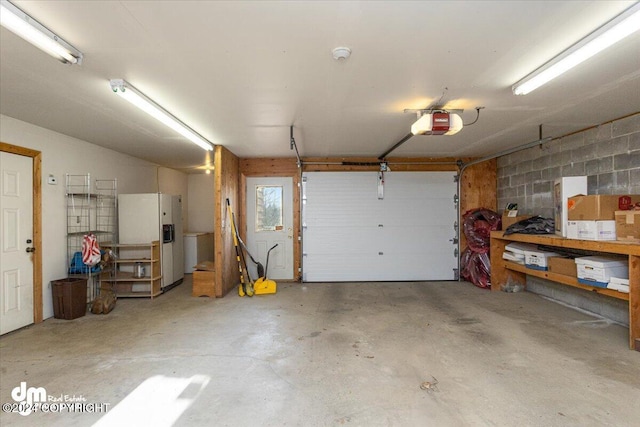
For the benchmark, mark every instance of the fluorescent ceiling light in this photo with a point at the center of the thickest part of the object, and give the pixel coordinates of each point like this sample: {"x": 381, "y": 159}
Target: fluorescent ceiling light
{"x": 15, "y": 20}
{"x": 437, "y": 123}
{"x": 613, "y": 31}
{"x": 146, "y": 104}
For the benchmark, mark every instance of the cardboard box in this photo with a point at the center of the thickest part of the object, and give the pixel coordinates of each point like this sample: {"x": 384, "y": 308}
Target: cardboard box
{"x": 537, "y": 260}
{"x": 598, "y": 270}
{"x": 628, "y": 226}
{"x": 563, "y": 188}
{"x": 561, "y": 265}
{"x": 591, "y": 230}
{"x": 595, "y": 207}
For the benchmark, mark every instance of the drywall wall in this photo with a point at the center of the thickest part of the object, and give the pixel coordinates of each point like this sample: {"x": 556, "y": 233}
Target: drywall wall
{"x": 201, "y": 202}
{"x": 62, "y": 154}
{"x": 171, "y": 181}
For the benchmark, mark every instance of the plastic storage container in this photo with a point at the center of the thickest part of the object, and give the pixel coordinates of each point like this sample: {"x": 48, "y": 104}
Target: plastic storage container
{"x": 69, "y": 298}
{"x": 598, "y": 270}
{"x": 537, "y": 260}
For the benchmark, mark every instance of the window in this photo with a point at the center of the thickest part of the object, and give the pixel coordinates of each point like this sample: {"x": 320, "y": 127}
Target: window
{"x": 269, "y": 208}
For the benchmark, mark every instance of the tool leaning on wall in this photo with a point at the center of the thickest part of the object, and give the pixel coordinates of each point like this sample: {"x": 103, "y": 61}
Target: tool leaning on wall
{"x": 246, "y": 285}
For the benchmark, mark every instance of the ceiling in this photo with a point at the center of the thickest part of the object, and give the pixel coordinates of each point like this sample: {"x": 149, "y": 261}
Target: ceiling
{"x": 241, "y": 73}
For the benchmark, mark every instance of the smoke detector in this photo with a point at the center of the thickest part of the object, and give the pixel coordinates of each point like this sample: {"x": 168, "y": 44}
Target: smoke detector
{"x": 341, "y": 53}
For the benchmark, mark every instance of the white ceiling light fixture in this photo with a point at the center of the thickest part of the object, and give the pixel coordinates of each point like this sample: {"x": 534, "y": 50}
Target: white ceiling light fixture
{"x": 23, "y": 25}
{"x": 437, "y": 123}
{"x": 146, "y": 104}
{"x": 613, "y": 31}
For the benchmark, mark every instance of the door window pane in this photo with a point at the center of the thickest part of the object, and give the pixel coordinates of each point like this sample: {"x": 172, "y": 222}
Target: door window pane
{"x": 269, "y": 208}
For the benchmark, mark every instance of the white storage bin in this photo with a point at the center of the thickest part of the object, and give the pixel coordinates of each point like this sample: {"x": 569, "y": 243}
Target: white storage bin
{"x": 619, "y": 284}
{"x": 598, "y": 270}
{"x": 519, "y": 248}
{"x": 537, "y": 259}
{"x": 514, "y": 251}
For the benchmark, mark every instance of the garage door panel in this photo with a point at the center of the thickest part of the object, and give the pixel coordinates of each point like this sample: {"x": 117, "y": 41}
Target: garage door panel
{"x": 340, "y": 239}
{"x": 360, "y": 268}
{"x": 407, "y": 184}
{"x": 434, "y": 211}
{"x": 376, "y": 239}
{"x": 417, "y": 239}
{"x": 339, "y": 219}
{"x": 351, "y": 235}
{"x": 357, "y": 268}
{"x": 437, "y": 212}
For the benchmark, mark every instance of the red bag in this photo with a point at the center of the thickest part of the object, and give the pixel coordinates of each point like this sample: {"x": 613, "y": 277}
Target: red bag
{"x": 90, "y": 250}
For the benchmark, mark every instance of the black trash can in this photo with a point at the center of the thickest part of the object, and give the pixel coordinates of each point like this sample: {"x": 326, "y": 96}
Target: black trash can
{"x": 69, "y": 298}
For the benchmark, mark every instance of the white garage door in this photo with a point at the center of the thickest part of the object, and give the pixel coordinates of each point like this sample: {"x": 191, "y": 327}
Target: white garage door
{"x": 350, "y": 234}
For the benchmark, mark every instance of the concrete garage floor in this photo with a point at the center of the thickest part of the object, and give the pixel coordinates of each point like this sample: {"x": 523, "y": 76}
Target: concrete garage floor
{"x": 331, "y": 354}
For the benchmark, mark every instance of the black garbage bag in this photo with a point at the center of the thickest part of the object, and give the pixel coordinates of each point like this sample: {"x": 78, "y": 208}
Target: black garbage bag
{"x": 535, "y": 225}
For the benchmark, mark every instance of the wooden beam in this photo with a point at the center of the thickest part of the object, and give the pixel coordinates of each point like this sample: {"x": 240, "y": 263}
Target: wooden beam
{"x": 478, "y": 189}
{"x": 225, "y": 187}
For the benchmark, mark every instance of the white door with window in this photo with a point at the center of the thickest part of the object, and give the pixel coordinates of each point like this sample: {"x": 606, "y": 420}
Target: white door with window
{"x": 16, "y": 265}
{"x": 270, "y": 222}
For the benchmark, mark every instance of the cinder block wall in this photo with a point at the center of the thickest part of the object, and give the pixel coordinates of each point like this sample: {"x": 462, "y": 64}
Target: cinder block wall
{"x": 609, "y": 155}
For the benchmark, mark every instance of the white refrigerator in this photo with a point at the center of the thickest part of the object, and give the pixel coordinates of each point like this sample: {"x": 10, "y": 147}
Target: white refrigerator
{"x": 143, "y": 218}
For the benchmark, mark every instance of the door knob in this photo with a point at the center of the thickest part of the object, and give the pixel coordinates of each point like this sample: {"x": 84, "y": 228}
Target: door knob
{"x": 31, "y": 250}
{"x": 290, "y": 233}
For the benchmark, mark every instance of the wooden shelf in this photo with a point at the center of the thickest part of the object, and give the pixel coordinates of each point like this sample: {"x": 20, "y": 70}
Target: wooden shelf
{"x": 124, "y": 276}
{"x": 503, "y": 270}
{"x": 134, "y": 260}
{"x": 137, "y": 294}
{"x": 123, "y": 282}
{"x": 566, "y": 280}
{"x": 609, "y": 246}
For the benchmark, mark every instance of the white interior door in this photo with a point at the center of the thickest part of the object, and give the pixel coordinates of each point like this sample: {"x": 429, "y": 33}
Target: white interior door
{"x": 16, "y": 264}
{"x": 350, "y": 233}
{"x": 269, "y": 222}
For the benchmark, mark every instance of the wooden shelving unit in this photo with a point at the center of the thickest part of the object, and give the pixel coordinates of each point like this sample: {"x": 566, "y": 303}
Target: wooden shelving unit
{"x": 122, "y": 278}
{"x": 503, "y": 270}
{"x": 565, "y": 280}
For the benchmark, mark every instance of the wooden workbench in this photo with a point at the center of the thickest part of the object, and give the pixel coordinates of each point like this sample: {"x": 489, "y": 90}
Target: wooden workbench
{"x": 502, "y": 269}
